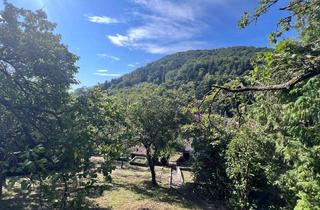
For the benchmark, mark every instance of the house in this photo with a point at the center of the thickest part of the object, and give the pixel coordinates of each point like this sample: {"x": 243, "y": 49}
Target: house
{"x": 138, "y": 150}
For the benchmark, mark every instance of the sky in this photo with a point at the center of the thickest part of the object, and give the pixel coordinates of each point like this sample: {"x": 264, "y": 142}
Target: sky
{"x": 114, "y": 37}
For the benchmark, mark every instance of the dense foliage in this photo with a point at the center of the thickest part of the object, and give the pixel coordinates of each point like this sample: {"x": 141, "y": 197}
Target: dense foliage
{"x": 271, "y": 159}
{"x": 48, "y": 134}
{"x": 155, "y": 116}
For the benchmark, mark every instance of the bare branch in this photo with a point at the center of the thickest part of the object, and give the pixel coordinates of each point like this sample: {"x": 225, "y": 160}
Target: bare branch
{"x": 284, "y": 86}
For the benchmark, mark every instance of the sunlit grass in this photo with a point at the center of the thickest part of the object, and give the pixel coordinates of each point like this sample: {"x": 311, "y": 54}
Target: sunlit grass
{"x": 132, "y": 189}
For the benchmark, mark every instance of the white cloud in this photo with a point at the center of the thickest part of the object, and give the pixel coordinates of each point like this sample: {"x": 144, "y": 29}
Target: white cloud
{"x": 104, "y": 73}
{"x": 157, "y": 38}
{"x": 162, "y": 29}
{"x": 177, "y": 11}
{"x": 107, "y": 74}
{"x": 118, "y": 39}
{"x": 104, "y": 55}
{"x": 166, "y": 26}
{"x": 102, "y": 70}
{"x": 131, "y": 65}
{"x": 172, "y": 48}
{"x": 102, "y": 19}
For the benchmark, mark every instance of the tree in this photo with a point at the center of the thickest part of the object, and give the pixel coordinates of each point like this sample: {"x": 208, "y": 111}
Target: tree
{"x": 155, "y": 118}
{"x": 36, "y": 71}
{"x": 271, "y": 156}
{"x": 46, "y": 132}
{"x": 208, "y": 157}
{"x": 95, "y": 127}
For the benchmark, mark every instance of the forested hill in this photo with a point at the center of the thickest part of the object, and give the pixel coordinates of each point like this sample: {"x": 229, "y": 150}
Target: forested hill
{"x": 196, "y": 69}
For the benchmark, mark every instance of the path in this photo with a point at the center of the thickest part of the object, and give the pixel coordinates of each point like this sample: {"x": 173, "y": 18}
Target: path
{"x": 177, "y": 181}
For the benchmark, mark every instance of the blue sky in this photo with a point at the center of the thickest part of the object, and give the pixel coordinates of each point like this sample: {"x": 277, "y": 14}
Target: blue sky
{"x": 114, "y": 37}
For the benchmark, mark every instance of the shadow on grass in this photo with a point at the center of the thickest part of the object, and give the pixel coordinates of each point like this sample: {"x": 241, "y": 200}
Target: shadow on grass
{"x": 97, "y": 191}
{"x": 19, "y": 201}
{"x": 99, "y": 208}
{"x": 24, "y": 200}
{"x": 157, "y": 193}
{"x": 136, "y": 168}
{"x": 133, "y": 177}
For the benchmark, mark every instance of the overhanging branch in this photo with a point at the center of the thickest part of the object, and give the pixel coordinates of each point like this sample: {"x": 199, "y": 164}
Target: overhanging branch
{"x": 283, "y": 86}
{"x": 278, "y": 87}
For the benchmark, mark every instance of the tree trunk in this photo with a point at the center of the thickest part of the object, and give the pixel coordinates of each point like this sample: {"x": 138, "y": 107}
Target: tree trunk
{"x": 151, "y": 164}
{"x": 0, "y": 189}
{"x": 65, "y": 195}
{"x": 2, "y": 181}
{"x": 153, "y": 174}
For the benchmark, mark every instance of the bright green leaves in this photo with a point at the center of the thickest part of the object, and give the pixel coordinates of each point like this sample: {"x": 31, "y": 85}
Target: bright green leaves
{"x": 97, "y": 129}
{"x": 301, "y": 16}
{"x": 240, "y": 169}
{"x": 245, "y": 20}
{"x": 273, "y": 158}
{"x": 301, "y": 122}
{"x": 154, "y": 117}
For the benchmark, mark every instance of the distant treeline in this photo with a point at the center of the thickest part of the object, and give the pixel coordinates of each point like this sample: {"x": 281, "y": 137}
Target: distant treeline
{"x": 197, "y": 69}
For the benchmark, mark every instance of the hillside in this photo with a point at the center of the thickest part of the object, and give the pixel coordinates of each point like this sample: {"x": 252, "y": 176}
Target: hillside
{"x": 198, "y": 69}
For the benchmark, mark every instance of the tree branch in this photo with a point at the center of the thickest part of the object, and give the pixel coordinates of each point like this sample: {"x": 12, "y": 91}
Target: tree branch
{"x": 284, "y": 86}
{"x": 291, "y": 4}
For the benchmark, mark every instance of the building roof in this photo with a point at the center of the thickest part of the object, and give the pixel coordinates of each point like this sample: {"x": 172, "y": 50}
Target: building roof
{"x": 139, "y": 150}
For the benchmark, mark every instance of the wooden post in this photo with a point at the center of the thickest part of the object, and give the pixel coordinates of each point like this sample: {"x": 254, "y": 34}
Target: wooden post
{"x": 170, "y": 179}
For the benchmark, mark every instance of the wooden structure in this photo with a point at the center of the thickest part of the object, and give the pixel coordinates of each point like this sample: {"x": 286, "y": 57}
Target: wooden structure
{"x": 139, "y": 151}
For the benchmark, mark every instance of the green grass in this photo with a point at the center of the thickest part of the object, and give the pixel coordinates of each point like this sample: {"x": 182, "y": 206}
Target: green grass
{"x": 132, "y": 189}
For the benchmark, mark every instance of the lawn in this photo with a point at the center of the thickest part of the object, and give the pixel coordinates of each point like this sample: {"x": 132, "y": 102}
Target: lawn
{"x": 132, "y": 189}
